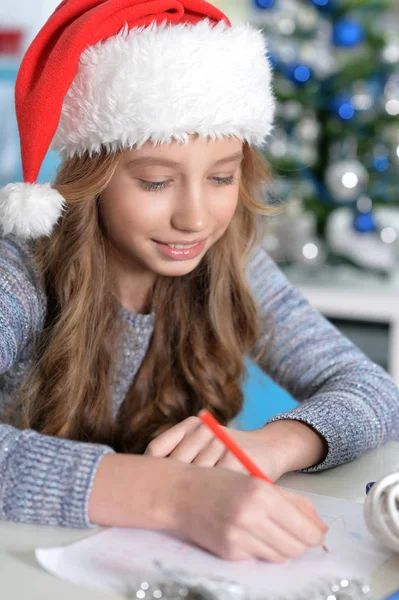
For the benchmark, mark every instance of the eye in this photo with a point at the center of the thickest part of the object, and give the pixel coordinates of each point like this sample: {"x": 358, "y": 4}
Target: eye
{"x": 224, "y": 180}
{"x": 153, "y": 186}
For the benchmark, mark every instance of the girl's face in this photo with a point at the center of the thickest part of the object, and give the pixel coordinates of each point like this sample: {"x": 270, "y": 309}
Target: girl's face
{"x": 167, "y": 205}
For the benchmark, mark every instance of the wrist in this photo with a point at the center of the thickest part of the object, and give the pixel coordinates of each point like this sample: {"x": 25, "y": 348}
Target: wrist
{"x": 297, "y": 444}
{"x": 137, "y": 491}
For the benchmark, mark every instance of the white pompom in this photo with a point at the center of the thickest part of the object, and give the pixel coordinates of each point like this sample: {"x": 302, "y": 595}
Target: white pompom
{"x": 381, "y": 511}
{"x": 29, "y": 210}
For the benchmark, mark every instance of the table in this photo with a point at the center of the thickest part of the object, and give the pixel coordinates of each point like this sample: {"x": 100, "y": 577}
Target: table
{"x": 21, "y": 577}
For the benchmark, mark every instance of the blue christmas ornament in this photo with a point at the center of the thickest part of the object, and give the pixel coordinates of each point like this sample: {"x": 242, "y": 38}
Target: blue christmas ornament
{"x": 348, "y": 32}
{"x": 346, "y": 111}
{"x": 381, "y": 163}
{"x": 326, "y": 6}
{"x": 264, "y": 3}
{"x": 342, "y": 105}
{"x": 364, "y": 222}
{"x": 301, "y": 73}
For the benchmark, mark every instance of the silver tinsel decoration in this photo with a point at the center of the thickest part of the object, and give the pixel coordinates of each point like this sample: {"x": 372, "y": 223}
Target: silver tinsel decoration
{"x": 180, "y": 585}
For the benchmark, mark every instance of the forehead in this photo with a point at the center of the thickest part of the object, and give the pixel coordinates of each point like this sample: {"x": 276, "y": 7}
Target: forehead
{"x": 197, "y": 148}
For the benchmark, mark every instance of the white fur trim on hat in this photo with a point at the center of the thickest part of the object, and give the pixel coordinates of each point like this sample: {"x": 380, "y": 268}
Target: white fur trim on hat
{"x": 164, "y": 82}
{"x": 29, "y": 210}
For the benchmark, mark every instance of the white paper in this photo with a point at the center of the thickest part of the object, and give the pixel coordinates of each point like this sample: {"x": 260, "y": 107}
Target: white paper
{"x": 110, "y": 559}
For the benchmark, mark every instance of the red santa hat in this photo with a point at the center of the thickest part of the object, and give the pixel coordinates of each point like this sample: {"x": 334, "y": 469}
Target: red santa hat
{"x": 117, "y": 73}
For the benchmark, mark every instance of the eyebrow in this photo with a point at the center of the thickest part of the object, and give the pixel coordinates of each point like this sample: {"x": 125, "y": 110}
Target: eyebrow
{"x": 165, "y": 162}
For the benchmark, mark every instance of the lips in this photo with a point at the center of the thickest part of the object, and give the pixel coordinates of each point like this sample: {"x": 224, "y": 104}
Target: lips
{"x": 183, "y": 243}
{"x": 180, "y": 251}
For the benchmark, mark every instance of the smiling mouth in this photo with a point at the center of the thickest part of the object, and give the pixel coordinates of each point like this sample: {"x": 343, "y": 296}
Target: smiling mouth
{"x": 181, "y": 251}
{"x": 181, "y": 245}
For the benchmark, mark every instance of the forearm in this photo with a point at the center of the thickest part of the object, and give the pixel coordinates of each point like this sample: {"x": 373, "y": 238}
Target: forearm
{"x": 136, "y": 491}
{"x": 355, "y": 412}
{"x": 296, "y": 445}
{"x": 349, "y": 400}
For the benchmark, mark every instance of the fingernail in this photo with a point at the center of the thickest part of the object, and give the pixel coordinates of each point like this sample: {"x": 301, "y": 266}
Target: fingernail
{"x": 321, "y": 523}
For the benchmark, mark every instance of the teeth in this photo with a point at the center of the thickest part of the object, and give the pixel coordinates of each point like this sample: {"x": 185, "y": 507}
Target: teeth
{"x": 179, "y": 247}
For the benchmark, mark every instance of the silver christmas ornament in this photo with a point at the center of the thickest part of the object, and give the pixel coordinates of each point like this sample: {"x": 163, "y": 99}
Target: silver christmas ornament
{"x": 390, "y": 53}
{"x": 278, "y": 144}
{"x": 362, "y": 98}
{"x": 390, "y": 99}
{"x": 346, "y": 180}
{"x": 308, "y": 129}
{"x": 291, "y": 109}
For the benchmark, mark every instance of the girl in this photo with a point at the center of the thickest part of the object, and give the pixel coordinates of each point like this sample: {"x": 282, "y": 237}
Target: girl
{"x": 132, "y": 289}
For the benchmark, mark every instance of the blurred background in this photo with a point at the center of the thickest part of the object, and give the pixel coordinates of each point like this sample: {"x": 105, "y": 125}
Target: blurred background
{"x": 334, "y": 153}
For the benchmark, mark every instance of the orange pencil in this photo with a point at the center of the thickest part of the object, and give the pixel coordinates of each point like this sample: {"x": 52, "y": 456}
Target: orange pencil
{"x": 210, "y": 421}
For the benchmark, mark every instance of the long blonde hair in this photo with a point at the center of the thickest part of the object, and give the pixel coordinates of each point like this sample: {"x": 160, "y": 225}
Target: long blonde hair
{"x": 205, "y": 323}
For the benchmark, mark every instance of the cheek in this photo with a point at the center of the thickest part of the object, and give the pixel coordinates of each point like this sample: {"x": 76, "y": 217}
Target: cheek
{"x": 130, "y": 212}
{"x": 224, "y": 209}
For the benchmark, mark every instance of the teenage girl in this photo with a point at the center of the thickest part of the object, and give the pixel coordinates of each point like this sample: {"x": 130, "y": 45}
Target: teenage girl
{"x": 134, "y": 286}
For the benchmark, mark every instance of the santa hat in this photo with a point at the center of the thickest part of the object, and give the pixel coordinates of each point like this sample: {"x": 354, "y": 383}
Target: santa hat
{"x": 117, "y": 73}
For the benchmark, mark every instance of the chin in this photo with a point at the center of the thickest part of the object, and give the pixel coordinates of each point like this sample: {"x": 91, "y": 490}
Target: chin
{"x": 178, "y": 269}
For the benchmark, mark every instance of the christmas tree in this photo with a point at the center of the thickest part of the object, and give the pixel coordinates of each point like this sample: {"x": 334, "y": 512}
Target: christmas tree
{"x": 336, "y": 141}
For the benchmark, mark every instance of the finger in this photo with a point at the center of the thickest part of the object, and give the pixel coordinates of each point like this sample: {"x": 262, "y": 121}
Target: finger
{"x": 305, "y": 505}
{"x": 260, "y": 549}
{"x": 282, "y": 542}
{"x": 192, "y": 444}
{"x": 228, "y": 461}
{"x": 211, "y": 454}
{"x": 239, "y": 544}
{"x": 288, "y": 516}
{"x": 165, "y": 443}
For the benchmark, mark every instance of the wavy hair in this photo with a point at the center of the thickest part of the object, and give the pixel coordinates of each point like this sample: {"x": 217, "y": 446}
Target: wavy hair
{"x": 206, "y": 322}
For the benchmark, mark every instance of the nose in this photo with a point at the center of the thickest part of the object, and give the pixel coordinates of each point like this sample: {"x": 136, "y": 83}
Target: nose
{"x": 190, "y": 211}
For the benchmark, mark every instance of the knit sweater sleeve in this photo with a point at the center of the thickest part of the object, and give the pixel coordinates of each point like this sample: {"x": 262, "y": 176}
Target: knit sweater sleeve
{"x": 43, "y": 479}
{"x": 22, "y": 301}
{"x": 349, "y": 400}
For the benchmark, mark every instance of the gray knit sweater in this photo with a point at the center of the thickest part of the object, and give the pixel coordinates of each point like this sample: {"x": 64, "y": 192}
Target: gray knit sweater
{"x": 352, "y": 402}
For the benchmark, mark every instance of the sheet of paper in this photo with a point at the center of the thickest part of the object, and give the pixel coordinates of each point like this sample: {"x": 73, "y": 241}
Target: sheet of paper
{"x": 108, "y": 560}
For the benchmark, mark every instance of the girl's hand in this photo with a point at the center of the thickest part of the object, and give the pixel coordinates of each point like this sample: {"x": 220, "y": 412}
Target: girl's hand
{"x": 192, "y": 442}
{"x": 240, "y": 518}
{"x": 276, "y": 448}
{"x": 234, "y": 516}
